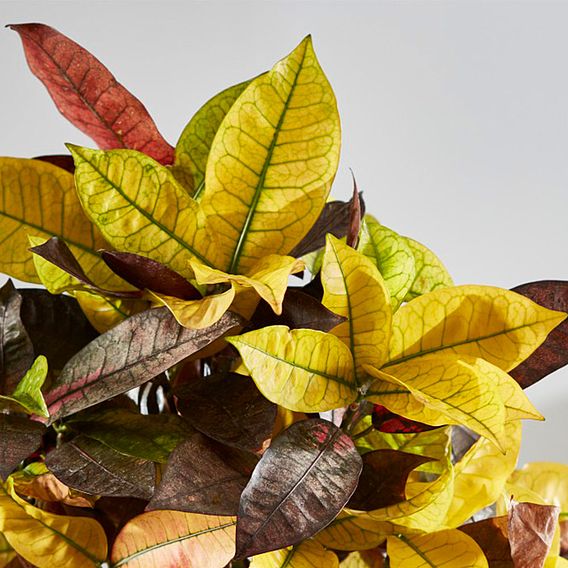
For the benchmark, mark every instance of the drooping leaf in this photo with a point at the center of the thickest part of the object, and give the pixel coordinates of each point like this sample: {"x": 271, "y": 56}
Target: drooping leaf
{"x": 531, "y": 529}
{"x": 497, "y": 325}
{"x": 145, "y": 273}
{"x": 63, "y": 161}
{"x": 552, "y": 354}
{"x": 140, "y": 207}
{"x": 353, "y": 288}
{"x": 19, "y": 437}
{"x": 198, "y": 480}
{"x": 549, "y": 480}
{"x": 383, "y": 479}
{"x": 88, "y": 95}
{"x": 392, "y": 255}
{"x": 149, "y": 437}
{"x": 230, "y": 409}
{"x": 430, "y": 273}
{"x": 308, "y": 554}
{"x": 272, "y": 161}
{"x": 322, "y": 468}
{"x": 94, "y": 468}
{"x": 50, "y": 540}
{"x": 16, "y": 348}
{"x": 128, "y": 355}
{"x": 171, "y": 539}
{"x": 492, "y": 537}
{"x": 441, "y": 549}
{"x": 39, "y": 199}
{"x": 302, "y": 369}
{"x": 192, "y": 148}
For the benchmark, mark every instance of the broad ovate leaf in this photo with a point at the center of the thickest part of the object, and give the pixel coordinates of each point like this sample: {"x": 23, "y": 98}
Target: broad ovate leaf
{"x": 141, "y": 208}
{"x": 322, "y": 468}
{"x": 272, "y": 161}
{"x": 48, "y": 540}
{"x": 301, "y": 369}
{"x": 391, "y": 254}
{"x": 442, "y": 549}
{"x": 308, "y": 554}
{"x": 354, "y": 288}
{"x": 482, "y": 321}
{"x": 171, "y": 539}
{"x": 88, "y": 95}
{"x": 19, "y": 437}
{"x": 547, "y": 479}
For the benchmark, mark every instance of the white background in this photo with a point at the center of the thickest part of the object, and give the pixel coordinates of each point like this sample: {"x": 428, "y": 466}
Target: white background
{"x": 454, "y": 116}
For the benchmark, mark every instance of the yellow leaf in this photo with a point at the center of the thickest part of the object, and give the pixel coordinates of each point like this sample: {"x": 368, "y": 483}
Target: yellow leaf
{"x": 39, "y": 199}
{"x": 285, "y": 418}
{"x": 481, "y": 474}
{"x": 197, "y": 314}
{"x": 354, "y": 288}
{"x": 302, "y": 369}
{"x": 47, "y": 540}
{"x": 7, "y": 553}
{"x": 170, "y": 539}
{"x": 364, "y": 559}
{"x": 308, "y": 554}
{"x": 269, "y": 277}
{"x": 272, "y": 161}
{"x": 442, "y": 389}
{"x": 391, "y": 254}
{"x": 547, "y": 479}
{"x": 140, "y": 207}
{"x": 497, "y": 325}
{"x": 443, "y": 549}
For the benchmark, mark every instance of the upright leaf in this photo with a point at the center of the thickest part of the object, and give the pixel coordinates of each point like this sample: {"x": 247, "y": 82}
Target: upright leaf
{"x": 88, "y": 95}
{"x": 308, "y": 554}
{"x": 322, "y": 468}
{"x": 127, "y": 356}
{"x": 19, "y": 437}
{"x": 272, "y": 161}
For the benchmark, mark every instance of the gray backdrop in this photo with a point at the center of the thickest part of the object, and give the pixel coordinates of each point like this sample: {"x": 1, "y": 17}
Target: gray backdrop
{"x": 454, "y": 116}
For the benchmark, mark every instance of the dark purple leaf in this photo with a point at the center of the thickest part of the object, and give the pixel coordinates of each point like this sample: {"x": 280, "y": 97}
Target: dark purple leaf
{"x": 335, "y": 219}
{"x": 230, "y": 409}
{"x": 355, "y": 216}
{"x": 88, "y": 95}
{"x": 127, "y": 356}
{"x": 301, "y": 483}
{"x": 19, "y": 438}
{"x": 96, "y": 469}
{"x": 197, "y": 480}
{"x": 553, "y": 353}
{"x": 299, "y": 311}
{"x": 63, "y": 161}
{"x": 383, "y": 479}
{"x": 58, "y": 253}
{"x": 16, "y": 349}
{"x": 492, "y": 537}
{"x": 56, "y": 325}
{"x": 145, "y": 273}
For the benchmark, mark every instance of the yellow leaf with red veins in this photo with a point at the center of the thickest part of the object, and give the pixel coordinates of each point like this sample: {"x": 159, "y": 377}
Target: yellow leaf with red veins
{"x": 354, "y": 288}
{"x": 308, "y": 554}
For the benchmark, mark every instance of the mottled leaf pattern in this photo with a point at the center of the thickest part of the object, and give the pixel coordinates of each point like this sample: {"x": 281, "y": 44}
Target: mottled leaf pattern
{"x": 19, "y": 437}
{"x": 308, "y": 554}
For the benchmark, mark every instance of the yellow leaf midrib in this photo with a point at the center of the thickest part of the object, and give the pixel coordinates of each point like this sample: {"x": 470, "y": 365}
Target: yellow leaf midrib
{"x": 415, "y": 549}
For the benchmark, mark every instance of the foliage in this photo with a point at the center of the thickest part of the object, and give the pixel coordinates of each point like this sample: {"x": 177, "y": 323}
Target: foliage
{"x": 227, "y": 368}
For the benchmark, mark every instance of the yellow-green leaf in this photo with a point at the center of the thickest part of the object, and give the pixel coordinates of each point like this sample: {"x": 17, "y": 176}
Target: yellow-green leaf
{"x": 47, "y": 540}
{"x": 302, "y": 369}
{"x": 364, "y": 559}
{"x": 28, "y": 394}
{"x": 391, "y": 254}
{"x": 430, "y": 273}
{"x": 308, "y": 554}
{"x": 354, "y": 288}
{"x": 171, "y": 539}
{"x": 481, "y": 474}
{"x": 443, "y": 549}
{"x": 39, "y": 199}
{"x": 495, "y": 324}
{"x": 272, "y": 161}
{"x": 7, "y": 553}
{"x": 193, "y": 146}
{"x": 140, "y": 207}
{"x": 547, "y": 479}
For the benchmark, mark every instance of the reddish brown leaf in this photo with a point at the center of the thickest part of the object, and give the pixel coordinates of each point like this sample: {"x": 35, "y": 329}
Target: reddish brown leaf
{"x": 553, "y": 353}
{"x": 386, "y": 421}
{"x": 88, "y": 95}
{"x": 563, "y": 538}
{"x": 355, "y": 216}
{"x": 130, "y": 354}
{"x": 19, "y": 438}
{"x": 63, "y": 161}
{"x": 145, "y": 273}
{"x": 531, "y": 529}
{"x": 383, "y": 479}
{"x": 492, "y": 537}
{"x": 300, "y": 484}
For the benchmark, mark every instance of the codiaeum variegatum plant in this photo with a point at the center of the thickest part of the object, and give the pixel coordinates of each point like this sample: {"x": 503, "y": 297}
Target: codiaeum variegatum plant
{"x": 173, "y": 398}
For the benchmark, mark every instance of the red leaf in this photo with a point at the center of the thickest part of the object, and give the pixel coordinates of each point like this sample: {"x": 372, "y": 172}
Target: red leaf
{"x": 88, "y": 95}
{"x": 386, "y": 421}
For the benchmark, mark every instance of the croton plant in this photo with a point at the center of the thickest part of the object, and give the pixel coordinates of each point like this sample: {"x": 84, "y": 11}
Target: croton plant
{"x": 226, "y": 368}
